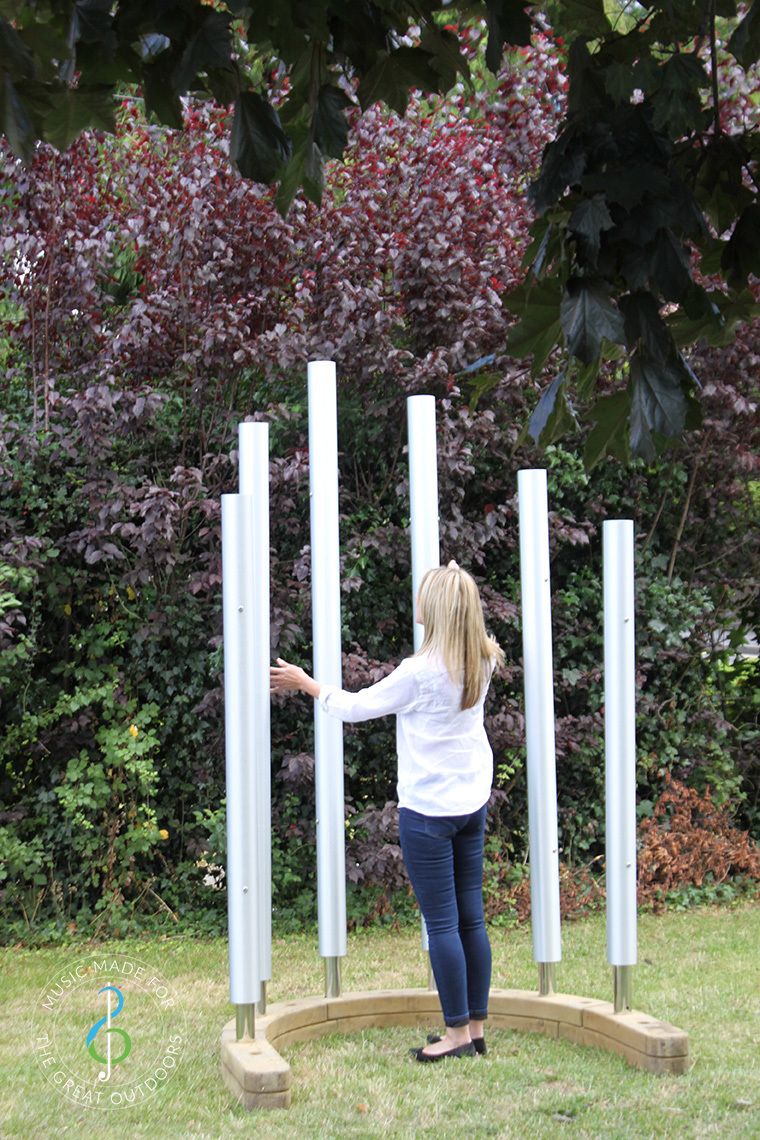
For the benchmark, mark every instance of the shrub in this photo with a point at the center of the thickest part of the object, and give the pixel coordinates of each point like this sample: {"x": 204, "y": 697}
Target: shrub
{"x": 690, "y": 842}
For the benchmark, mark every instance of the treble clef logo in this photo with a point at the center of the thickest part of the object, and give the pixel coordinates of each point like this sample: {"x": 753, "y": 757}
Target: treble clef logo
{"x": 108, "y": 1060}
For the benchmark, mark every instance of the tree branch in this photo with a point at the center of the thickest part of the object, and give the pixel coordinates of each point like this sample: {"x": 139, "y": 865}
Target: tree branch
{"x": 714, "y": 71}
{"x": 682, "y": 521}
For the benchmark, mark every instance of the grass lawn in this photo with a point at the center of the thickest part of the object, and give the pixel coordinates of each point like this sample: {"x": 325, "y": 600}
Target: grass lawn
{"x": 698, "y": 969}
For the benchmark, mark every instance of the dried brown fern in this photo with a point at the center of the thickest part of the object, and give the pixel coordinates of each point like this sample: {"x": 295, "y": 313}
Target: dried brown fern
{"x": 686, "y": 839}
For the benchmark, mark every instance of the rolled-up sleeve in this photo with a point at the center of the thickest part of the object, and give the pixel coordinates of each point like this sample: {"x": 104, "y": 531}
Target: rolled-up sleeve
{"x": 396, "y": 693}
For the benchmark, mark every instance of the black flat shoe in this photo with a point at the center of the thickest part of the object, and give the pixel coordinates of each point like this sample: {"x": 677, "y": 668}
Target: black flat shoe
{"x": 466, "y": 1050}
{"x": 478, "y": 1042}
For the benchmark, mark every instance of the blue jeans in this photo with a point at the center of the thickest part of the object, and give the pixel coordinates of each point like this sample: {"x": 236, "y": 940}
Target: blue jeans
{"x": 444, "y": 860}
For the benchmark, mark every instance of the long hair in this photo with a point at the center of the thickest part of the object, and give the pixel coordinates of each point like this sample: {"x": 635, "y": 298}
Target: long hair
{"x": 449, "y": 608}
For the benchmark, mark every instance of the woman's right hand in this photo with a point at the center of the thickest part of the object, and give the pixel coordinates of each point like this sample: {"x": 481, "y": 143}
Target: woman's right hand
{"x": 287, "y": 678}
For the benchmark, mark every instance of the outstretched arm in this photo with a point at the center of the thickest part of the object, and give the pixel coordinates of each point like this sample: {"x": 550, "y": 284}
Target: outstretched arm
{"x": 393, "y": 694}
{"x": 285, "y": 678}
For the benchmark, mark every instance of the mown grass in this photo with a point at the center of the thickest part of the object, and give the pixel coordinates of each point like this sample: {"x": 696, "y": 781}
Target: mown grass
{"x": 699, "y": 969}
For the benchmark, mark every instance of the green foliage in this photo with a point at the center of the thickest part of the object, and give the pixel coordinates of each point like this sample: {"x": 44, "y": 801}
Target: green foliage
{"x": 710, "y": 894}
{"x": 675, "y": 616}
{"x": 647, "y": 196}
{"x": 14, "y": 580}
{"x": 226, "y": 53}
{"x": 651, "y": 149}
{"x": 97, "y": 816}
{"x": 21, "y": 858}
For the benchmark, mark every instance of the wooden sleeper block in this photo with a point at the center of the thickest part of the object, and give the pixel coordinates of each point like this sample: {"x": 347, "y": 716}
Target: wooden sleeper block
{"x": 558, "y": 1007}
{"x": 656, "y": 1038}
{"x": 674, "y": 1065}
{"x": 423, "y": 1002}
{"x": 251, "y": 1100}
{"x": 292, "y": 1015}
{"x": 254, "y": 1064}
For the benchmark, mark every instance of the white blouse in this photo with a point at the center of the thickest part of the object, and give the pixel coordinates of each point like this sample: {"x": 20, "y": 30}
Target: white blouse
{"x": 445, "y": 763}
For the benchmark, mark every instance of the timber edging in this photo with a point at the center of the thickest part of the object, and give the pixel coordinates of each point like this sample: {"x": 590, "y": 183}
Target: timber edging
{"x": 259, "y": 1077}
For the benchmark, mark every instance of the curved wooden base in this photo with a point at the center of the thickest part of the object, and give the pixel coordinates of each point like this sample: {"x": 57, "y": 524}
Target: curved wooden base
{"x": 260, "y": 1078}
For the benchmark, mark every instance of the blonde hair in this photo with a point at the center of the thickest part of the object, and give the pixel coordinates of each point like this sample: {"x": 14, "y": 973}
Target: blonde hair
{"x": 452, "y": 614}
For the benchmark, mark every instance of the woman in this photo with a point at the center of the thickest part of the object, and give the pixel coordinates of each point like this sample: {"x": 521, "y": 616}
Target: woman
{"x": 445, "y": 771}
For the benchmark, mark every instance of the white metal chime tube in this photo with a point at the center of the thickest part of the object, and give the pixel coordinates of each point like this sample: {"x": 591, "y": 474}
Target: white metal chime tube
{"x": 423, "y": 510}
{"x": 326, "y": 627}
{"x": 253, "y": 452}
{"x": 423, "y": 495}
{"x": 539, "y": 723}
{"x": 242, "y": 846}
{"x": 620, "y": 753}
